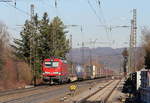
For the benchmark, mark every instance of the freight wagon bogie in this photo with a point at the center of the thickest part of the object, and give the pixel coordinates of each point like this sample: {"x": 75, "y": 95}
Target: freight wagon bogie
{"x": 56, "y": 79}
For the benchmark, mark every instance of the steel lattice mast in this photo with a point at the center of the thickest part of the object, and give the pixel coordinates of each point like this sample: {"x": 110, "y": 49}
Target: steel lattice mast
{"x": 132, "y": 49}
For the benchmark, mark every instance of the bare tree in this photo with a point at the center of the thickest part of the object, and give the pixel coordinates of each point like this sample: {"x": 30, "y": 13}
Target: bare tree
{"x": 3, "y": 36}
{"x": 146, "y": 46}
{"x": 4, "y": 39}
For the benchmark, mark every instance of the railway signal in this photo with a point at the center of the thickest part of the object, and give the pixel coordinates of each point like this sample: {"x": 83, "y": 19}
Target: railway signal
{"x": 125, "y": 56}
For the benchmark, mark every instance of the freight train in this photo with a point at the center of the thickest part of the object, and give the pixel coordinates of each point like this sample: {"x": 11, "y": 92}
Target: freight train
{"x": 57, "y": 70}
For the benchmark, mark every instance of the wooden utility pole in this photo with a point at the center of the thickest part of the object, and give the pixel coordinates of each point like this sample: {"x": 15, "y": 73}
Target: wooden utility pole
{"x": 132, "y": 49}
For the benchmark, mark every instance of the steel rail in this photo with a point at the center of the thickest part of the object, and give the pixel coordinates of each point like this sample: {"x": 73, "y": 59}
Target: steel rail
{"x": 47, "y": 86}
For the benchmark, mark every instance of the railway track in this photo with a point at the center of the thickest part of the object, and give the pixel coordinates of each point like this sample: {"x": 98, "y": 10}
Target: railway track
{"x": 45, "y": 86}
{"x": 16, "y": 91}
{"x": 102, "y": 94}
{"x": 34, "y": 95}
{"x": 108, "y": 96}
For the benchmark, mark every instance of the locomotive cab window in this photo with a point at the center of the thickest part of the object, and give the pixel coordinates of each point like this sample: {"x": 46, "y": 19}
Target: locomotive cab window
{"x": 55, "y": 64}
{"x": 51, "y": 64}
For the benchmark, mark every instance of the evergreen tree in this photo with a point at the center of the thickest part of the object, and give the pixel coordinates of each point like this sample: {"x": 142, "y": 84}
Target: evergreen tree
{"x": 60, "y": 44}
{"x": 45, "y": 38}
{"x": 22, "y": 46}
{"x": 26, "y": 46}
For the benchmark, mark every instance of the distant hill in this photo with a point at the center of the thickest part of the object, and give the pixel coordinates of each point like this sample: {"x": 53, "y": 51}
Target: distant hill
{"x": 111, "y": 58}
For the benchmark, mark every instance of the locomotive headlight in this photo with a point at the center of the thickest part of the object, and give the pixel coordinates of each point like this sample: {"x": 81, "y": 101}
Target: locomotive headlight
{"x": 57, "y": 73}
{"x": 46, "y": 73}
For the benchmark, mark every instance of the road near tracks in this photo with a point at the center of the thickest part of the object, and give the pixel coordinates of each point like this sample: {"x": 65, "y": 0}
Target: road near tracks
{"x": 42, "y": 94}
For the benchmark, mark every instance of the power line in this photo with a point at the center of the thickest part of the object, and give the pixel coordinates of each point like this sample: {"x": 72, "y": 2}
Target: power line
{"x": 100, "y": 20}
{"x": 104, "y": 20}
{"x": 101, "y": 11}
{"x": 55, "y": 3}
{"x": 46, "y": 4}
{"x": 5, "y": 0}
{"x": 22, "y": 11}
{"x": 94, "y": 11}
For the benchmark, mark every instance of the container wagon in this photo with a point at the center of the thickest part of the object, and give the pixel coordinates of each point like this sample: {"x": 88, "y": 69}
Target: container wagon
{"x": 80, "y": 72}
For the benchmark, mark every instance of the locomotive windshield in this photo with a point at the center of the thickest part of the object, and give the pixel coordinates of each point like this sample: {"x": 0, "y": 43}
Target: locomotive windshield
{"x": 51, "y": 64}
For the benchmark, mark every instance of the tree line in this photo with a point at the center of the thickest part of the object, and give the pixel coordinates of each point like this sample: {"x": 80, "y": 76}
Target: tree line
{"x": 41, "y": 39}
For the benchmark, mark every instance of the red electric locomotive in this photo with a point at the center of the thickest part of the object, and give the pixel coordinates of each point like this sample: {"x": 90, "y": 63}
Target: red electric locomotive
{"x": 55, "y": 70}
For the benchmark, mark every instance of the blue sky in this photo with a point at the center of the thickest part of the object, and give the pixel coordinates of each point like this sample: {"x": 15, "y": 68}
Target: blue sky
{"x": 79, "y": 12}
